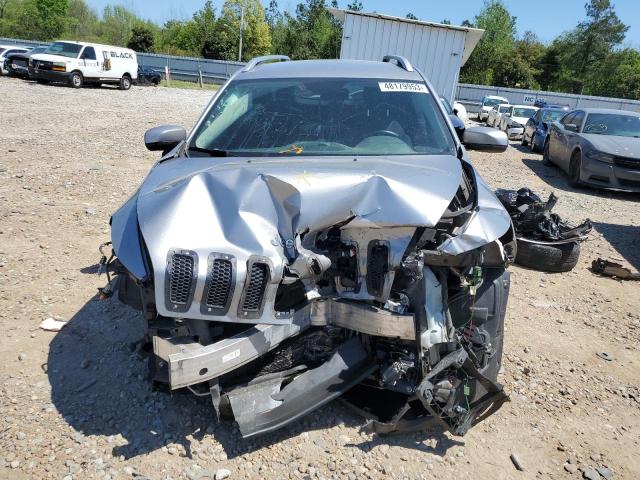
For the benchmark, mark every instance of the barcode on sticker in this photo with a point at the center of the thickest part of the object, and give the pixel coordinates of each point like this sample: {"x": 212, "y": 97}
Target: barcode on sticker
{"x": 403, "y": 87}
{"x": 230, "y": 356}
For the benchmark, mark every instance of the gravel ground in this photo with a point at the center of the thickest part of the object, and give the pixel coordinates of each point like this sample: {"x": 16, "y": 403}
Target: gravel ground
{"x": 77, "y": 405}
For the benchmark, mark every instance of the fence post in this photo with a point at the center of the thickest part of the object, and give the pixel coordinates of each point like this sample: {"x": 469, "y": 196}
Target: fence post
{"x": 200, "y": 77}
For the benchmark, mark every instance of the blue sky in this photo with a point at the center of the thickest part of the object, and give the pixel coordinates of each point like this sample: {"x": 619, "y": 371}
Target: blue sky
{"x": 547, "y": 18}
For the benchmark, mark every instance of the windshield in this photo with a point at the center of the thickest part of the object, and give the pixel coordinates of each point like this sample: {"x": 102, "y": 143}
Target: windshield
{"x": 323, "y": 116}
{"x": 64, "y": 49}
{"x": 523, "y": 112}
{"x": 492, "y": 102}
{"x": 552, "y": 115}
{"x": 612, "y": 124}
{"x": 503, "y": 108}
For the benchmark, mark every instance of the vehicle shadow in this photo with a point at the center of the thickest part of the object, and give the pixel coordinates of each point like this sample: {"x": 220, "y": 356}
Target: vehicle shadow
{"x": 100, "y": 385}
{"x": 624, "y": 238}
{"x": 557, "y": 179}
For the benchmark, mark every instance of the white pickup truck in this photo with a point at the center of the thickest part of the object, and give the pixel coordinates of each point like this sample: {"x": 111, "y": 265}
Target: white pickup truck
{"x": 77, "y": 63}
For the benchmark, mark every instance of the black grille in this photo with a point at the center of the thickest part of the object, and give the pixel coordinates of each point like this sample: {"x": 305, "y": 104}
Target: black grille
{"x": 219, "y": 284}
{"x": 181, "y": 278}
{"x": 377, "y": 266}
{"x": 631, "y": 163}
{"x": 258, "y": 278}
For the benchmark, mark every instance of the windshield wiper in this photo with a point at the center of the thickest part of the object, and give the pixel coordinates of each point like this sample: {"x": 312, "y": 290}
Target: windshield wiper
{"x": 214, "y": 152}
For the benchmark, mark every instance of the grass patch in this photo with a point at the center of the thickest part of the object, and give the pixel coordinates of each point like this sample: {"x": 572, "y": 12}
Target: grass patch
{"x": 189, "y": 85}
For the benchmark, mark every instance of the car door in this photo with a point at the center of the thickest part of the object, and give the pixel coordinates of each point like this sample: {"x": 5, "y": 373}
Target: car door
{"x": 89, "y": 62}
{"x": 504, "y": 118}
{"x": 557, "y": 137}
{"x": 531, "y": 126}
{"x": 570, "y": 138}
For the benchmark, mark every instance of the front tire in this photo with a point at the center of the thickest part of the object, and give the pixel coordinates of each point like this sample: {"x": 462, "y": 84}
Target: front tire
{"x": 575, "y": 169}
{"x": 534, "y": 149}
{"x": 125, "y": 82}
{"x": 76, "y": 80}
{"x": 554, "y": 258}
{"x": 524, "y": 142}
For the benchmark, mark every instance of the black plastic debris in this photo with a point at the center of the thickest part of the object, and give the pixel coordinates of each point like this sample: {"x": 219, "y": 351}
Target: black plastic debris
{"x": 533, "y": 219}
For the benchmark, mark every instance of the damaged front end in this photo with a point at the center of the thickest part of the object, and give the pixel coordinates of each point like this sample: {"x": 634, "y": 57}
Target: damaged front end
{"x": 274, "y": 287}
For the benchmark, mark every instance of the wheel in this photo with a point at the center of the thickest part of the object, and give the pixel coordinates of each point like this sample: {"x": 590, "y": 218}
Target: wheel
{"x": 546, "y": 158}
{"x": 534, "y": 148}
{"x": 548, "y": 258}
{"x": 76, "y": 80}
{"x": 524, "y": 142}
{"x": 575, "y": 167}
{"x": 125, "y": 82}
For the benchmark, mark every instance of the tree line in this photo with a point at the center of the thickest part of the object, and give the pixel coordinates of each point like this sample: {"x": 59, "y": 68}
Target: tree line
{"x": 591, "y": 58}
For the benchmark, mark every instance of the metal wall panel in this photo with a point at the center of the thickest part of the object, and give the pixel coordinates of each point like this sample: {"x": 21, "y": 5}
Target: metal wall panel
{"x": 471, "y": 96}
{"x": 435, "y": 51}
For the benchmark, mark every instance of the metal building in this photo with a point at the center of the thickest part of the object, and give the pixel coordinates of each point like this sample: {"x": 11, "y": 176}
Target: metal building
{"x": 437, "y": 50}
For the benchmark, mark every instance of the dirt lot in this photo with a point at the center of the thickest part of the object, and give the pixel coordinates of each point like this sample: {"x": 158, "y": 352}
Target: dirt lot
{"x": 76, "y": 405}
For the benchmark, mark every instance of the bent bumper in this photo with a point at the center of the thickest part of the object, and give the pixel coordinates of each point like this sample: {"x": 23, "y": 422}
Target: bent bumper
{"x": 515, "y": 133}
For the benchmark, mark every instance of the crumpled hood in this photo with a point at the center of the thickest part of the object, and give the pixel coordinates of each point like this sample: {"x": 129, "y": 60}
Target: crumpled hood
{"x": 521, "y": 120}
{"x": 614, "y": 145}
{"x": 255, "y": 208}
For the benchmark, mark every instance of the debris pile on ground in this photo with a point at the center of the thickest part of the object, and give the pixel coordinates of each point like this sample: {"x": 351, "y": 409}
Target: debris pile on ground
{"x": 532, "y": 217}
{"x": 612, "y": 269}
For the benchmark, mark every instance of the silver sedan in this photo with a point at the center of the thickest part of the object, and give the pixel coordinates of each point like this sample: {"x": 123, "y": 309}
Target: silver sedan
{"x": 598, "y": 147}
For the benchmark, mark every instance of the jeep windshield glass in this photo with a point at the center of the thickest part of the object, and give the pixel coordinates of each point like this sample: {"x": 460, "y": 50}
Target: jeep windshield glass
{"x": 612, "y": 124}
{"x": 324, "y": 116}
{"x": 64, "y": 49}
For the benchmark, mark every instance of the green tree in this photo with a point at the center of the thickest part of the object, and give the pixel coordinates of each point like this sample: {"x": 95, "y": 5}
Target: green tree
{"x": 51, "y": 18}
{"x": 116, "y": 25}
{"x": 411, "y": 16}
{"x": 496, "y": 43}
{"x": 355, "y": 6}
{"x": 445, "y": 21}
{"x": 82, "y": 22}
{"x": 141, "y": 39}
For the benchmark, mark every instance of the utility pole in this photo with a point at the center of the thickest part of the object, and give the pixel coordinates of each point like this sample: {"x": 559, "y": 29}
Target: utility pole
{"x": 241, "y": 30}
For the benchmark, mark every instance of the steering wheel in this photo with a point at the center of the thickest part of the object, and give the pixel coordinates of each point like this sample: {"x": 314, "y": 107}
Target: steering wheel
{"x": 385, "y": 133}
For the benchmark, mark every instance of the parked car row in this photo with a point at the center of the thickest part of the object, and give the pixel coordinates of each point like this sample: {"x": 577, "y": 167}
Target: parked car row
{"x": 77, "y": 64}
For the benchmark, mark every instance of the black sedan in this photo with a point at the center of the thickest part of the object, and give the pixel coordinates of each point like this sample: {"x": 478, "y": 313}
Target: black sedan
{"x": 148, "y": 76}
{"x": 598, "y": 147}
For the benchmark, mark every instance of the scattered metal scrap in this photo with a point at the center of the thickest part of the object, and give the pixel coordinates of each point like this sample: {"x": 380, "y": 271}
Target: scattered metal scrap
{"x": 612, "y": 269}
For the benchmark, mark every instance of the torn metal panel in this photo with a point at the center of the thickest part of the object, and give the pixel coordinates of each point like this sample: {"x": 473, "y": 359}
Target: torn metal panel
{"x": 263, "y": 407}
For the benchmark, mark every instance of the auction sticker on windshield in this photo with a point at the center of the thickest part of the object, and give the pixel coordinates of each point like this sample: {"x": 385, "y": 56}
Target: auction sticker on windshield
{"x": 403, "y": 87}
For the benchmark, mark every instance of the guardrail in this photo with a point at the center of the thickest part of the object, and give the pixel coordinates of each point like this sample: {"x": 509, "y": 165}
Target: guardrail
{"x": 471, "y": 97}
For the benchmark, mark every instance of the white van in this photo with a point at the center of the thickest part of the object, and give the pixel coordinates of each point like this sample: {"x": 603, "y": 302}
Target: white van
{"x": 77, "y": 63}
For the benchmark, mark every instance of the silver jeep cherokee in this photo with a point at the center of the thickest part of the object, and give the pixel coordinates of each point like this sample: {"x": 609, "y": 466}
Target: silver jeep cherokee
{"x": 321, "y": 232}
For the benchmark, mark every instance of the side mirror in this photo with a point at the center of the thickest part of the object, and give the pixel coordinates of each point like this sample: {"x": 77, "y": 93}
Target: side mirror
{"x": 571, "y": 127}
{"x": 485, "y": 139}
{"x": 164, "y": 137}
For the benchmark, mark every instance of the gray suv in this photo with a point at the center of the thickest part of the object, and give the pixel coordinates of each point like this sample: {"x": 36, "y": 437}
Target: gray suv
{"x": 320, "y": 233}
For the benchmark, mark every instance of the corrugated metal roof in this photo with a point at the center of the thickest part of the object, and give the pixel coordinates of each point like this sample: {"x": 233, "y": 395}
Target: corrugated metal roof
{"x": 473, "y": 35}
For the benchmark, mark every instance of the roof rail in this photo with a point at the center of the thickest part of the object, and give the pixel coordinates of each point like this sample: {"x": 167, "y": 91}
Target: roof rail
{"x": 254, "y": 62}
{"x": 402, "y": 62}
